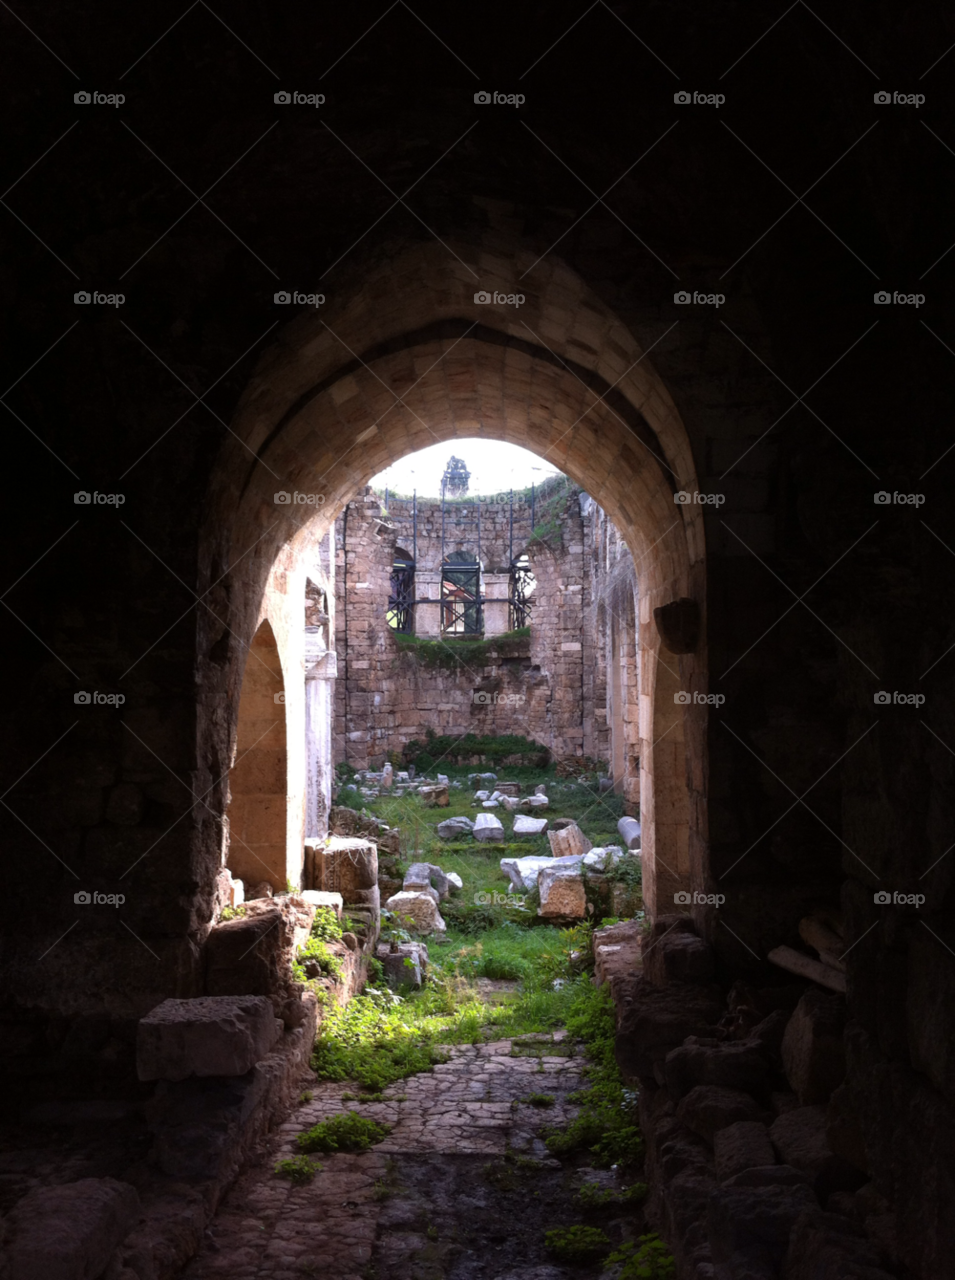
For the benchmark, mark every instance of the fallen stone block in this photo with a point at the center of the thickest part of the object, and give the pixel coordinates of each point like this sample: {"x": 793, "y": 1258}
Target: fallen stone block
{"x": 416, "y": 912}
{"x": 529, "y": 826}
{"x": 616, "y": 950}
{"x": 562, "y": 893}
{"x": 508, "y": 788}
{"x": 396, "y": 967}
{"x": 540, "y": 789}
{"x": 567, "y": 842}
{"x": 69, "y": 1232}
{"x": 491, "y": 804}
{"x": 482, "y": 777}
{"x": 532, "y": 803}
{"x": 629, "y": 829}
{"x": 523, "y": 872}
{"x": 488, "y": 829}
{"x": 511, "y": 803}
{"x": 708, "y": 1108}
{"x": 740, "y": 1146}
{"x": 454, "y": 828}
{"x": 249, "y": 956}
{"x": 342, "y": 864}
{"x": 481, "y": 796}
{"x": 208, "y": 1036}
{"x": 602, "y": 858}
{"x": 319, "y": 898}
{"x": 455, "y": 883}
{"x": 435, "y": 796}
{"x": 813, "y": 1049}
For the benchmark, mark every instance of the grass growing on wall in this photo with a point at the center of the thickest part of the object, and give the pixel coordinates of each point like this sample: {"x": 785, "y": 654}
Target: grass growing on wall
{"x": 448, "y": 750}
{"x": 449, "y": 654}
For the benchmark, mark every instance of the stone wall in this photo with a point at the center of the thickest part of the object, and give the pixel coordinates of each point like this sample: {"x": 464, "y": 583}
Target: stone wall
{"x": 540, "y": 687}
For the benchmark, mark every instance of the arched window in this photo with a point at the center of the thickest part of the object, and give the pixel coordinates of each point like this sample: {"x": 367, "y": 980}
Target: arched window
{"x": 462, "y": 602}
{"x": 401, "y": 596}
{"x": 521, "y": 585}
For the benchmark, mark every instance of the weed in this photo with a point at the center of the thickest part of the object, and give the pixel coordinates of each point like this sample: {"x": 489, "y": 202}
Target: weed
{"x": 539, "y": 1099}
{"x": 576, "y": 1244}
{"x": 646, "y": 1259}
{"x": 595, "y": 1196}
{"x": 298, "y": 1169}
{"x": 348, "y": 1132}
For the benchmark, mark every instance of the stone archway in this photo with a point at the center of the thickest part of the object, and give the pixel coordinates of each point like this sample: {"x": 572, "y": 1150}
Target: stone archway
{"x": 407, "y": 358}
{"x": 258, "y": 778}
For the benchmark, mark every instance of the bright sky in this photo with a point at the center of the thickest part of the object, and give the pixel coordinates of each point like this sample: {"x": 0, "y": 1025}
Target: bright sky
{"x": 495, "y": 467}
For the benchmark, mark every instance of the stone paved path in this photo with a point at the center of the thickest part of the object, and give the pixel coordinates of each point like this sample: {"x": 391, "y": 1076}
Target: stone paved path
{"x": 462, "y": 1188}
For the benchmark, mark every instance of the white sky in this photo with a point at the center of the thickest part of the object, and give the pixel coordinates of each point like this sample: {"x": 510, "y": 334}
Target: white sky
{"x": 495, "y": 467}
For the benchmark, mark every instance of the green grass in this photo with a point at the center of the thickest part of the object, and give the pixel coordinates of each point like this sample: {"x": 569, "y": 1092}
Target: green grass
{"x": 299, "y": 1170}
{"x": 348, "y": 1132}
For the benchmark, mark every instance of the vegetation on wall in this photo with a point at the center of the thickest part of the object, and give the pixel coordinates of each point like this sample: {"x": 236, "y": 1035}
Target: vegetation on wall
{"x": 460, "y": 750}
{"x": 450, "y": 654}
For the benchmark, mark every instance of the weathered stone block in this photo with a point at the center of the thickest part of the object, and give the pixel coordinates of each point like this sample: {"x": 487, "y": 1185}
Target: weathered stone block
{"x": 708, "y": 1108}
{"x": 524, "y": 826}
{"x": 813, "y": 1050}
{"x": 488, "y": 829}
{"x": 568, "y": 842}
{"x": 345, "y": 864}
{"x": 653, "y": 1020}
{"x": 455, "y": 828}
{"x": 562, "y": 893}
{"x": 735, "y": 1065}
{"x": 208, "y": 1036}
{"x": 743, "y": 1145}
{"x": 248, "y": 957}
{"x": 417, "y": 912}
{"x": 69, "y": 1232}
{"x": 678, "y": 956}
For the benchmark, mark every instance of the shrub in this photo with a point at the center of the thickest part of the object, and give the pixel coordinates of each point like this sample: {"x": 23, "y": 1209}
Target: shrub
{"x": 298, "y": 1169}
{"x": 577, "y": 1244}
{"x": 647, "y": 1259}
{"x": 348, "y": 1132}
